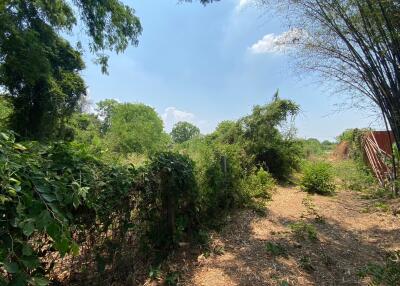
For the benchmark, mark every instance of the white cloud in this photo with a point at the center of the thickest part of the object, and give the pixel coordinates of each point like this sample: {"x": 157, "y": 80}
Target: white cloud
{"x": 272, "y": 43}
{"x": 243, "y": 3}
{"x": 172, "y": 115}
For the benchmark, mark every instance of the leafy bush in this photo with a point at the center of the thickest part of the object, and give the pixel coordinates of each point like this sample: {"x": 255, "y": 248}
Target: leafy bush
{"x": 5, "y": 111}
{"x": 280, "y": 158}
{"x": 48, "y": 193}
{"x": 258, "y": 184}
{"x": 59, "y": 199}
{"x": 135, "y": 128}
{"x": 267, "y": 137}
{"x": 318, "y": 178}
{"x": 219, "y": 171}
{"x": 168, "y": 207}
{"x": 278, "y": 152}
{"x": 226, "y": 178}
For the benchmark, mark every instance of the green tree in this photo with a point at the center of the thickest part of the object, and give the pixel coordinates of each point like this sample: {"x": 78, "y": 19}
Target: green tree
{"x": 354, "y": 42}
{"x": 135, "y": 128}
{"x": 105, "y": 109}
{"x": 86, "y": 129}
{"x": 227, "y": 132}
{"x": 184, "y": 131}
{"x": 40, "y": 70}
{"x": 279, "y": 153}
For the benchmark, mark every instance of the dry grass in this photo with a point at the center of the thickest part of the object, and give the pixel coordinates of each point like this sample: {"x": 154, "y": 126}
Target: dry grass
{"x": 347, "y": 239}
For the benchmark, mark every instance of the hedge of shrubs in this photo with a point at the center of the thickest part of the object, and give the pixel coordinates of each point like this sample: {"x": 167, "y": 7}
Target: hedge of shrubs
{"x": 59, "y": 200}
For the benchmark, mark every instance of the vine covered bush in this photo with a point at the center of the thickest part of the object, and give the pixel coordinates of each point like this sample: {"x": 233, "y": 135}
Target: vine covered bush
{"x": 80, "y": 203}
{"x": 48, "y": 196}
{"x": 169, "y": 195}
{"x": 219, "y": 171}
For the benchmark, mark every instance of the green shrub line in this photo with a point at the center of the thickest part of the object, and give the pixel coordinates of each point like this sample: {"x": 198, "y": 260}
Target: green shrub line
{"x": 59, "y": 197}
{"x": 118, "y": 187}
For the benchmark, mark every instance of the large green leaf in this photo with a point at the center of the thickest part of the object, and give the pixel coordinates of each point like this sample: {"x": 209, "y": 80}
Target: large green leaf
{"x": 39, "y": 281}
{"x": 28, "y": 227}
{"x": 11, "y": 267}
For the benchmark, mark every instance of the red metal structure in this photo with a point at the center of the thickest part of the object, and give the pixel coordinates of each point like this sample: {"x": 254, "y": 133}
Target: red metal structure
{"x": 378, "y": 152}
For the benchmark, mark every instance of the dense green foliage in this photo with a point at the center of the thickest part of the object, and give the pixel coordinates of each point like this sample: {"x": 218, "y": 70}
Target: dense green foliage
{"x": 116, "y": 186}
{"x": 258, "y": 184}
{"x": 219, "y": 170}
{"x": 318, "y": 178}
{"x": 184, "y": 131}
{"x": 168, "y": 206}
{"x": 116, "y": 181}
{"x": 276, "y": 151}
{"x": 5, "y": 112}
{"x": 260, "y": 136}
{"x": 135, "y": 128}
{"x": 233, "y": 165}
{"x": 40, "y": 71}
{"x": 119, "y": 130}
{"x": 49, "y": 192}
{"x": 85, "y": 129}
{"x": 105, "y": 109}
{"x": 59, "y": 197}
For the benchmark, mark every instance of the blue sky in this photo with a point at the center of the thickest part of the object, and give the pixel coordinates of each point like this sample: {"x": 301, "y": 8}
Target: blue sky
{"x": 208, "y": 64}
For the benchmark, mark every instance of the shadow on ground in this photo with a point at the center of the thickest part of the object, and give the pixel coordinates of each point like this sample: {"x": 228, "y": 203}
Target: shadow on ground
{"x": 335, "y": 258}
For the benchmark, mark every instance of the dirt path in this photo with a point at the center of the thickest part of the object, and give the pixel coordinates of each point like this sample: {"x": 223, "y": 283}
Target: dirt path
{"x": 347, "y": 239}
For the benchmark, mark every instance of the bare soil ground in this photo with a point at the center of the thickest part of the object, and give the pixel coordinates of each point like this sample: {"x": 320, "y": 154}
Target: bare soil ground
{"x": 348, "y": 239}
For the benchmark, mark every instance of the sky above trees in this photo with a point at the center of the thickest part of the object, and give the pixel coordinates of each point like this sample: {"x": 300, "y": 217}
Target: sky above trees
{"x": 208, "y": 64}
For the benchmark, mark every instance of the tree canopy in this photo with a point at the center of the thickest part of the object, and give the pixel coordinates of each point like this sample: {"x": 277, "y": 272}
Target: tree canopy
{"x": 356, "y": 43}
{"x": 40, "y": 71}
{"x": 263, "y": 139}
{"x": 184, "y": 131}
{"x": 135, "y": 128}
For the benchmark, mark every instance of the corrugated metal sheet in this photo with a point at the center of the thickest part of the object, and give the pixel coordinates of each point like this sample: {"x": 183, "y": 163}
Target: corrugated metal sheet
{"x": 378, "y": 151}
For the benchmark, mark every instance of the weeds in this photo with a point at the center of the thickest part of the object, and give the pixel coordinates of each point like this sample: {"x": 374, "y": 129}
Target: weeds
{"x": 312, "y": 209}
{"x": 387, "y": 274}
{"x": 377, "y": 207}
{"x": 354, "y": 176}
{"x": 381, "y": 206}
{"x": 276, "y": 249}
{"x": 306, "y": 263}
{"x": 303, "y": 230}
{"x": 172, "y": 278}
{"x": 154, "y": 273}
